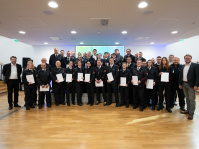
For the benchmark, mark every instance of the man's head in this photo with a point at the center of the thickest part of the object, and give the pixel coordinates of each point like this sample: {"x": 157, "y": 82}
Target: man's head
{"x": 149, "y": 63}
{"x": 140, "y": 55}
{"x": 58, "y": 64}
{"x": 117, "y": 51}
{"x": 70, "y": 64}
{"x": 13, "y": 59}
{"x": 80, "y": 58}
{"x": 79, "y": 63}
{"x": 43, "y": 65}
{"x": 139, "y": 63}
{"x": 108, "y": 54}
{"x": 111, "y": 61}
{"x": 171, "y": 58}
{"x": 158, "y": 59}
{"x": 88, "y": 54}
{"x": 144, "y": 64}
{"x": 187, "y": 58}
{"x": 176, "y": 61}
{"x": 129, "y": 60}
{"x": 128, "y": 51}
{"x": 43, "y": 60}
{"x": 56, "y": 51}
{"x": 84, "y": 54}
{"x": 153, "y": 60}
{"x": 88, "y": 64}
{"x": 94, "y": 51}
{"x": 136, "y": 54}
{"x": 73, "y": 53}
{"x": 68, "y": 53}
{"x": 99, "y": 56}
{"x": 62, "y": 52}
{"x": 113, "y": 55}
{"x": 124, "y": 65}
{"x": 99, "y": 63}
{"x": 105, "y": 55}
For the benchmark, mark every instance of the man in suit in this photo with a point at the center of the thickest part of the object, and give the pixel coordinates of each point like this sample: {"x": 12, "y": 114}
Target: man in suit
{"x": 189, "y": 82}
{"x": 140, "y": 57}
{"x": 43, "y": 60}
{"x": 119, "y": 58}
{"x": 90, "y": 59}
{"x": 12, "y": 72}
{"x": 73, "y": 58}
{"x": 94, "y": 54}
{"x": 128, "y": 51}
{"x": 67, "y": 59}
{"x": 57, "y": 57}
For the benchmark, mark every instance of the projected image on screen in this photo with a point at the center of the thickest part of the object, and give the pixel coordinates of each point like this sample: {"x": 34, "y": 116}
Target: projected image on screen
{"x": 100, "y": 49}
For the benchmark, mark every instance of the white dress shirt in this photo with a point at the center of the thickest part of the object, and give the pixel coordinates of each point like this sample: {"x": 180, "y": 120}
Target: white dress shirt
{"x": 13, "y": 74}
{"x": 185, "y": 72}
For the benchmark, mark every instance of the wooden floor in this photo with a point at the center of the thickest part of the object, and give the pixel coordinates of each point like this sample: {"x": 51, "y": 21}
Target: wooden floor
{"x": 96, "y": 127}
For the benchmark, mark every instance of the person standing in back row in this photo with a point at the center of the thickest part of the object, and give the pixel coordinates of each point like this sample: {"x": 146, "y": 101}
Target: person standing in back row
{"x": 189, "y": 82}
{"x": 57, "y": 57}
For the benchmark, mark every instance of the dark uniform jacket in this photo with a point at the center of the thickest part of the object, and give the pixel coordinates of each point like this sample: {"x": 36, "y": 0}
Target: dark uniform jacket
{"x": 29, "y": 72}
{"x": 70, "y": 71}
{"x": 131, "y": 66}
{"x": 91, "y": 71}
{"x": 56, "y": 71}
{"x": 152, "y": 73}
{"x": 53, "y": 60}
{"x": 43, "y": 77}
{"x": 78, "y": 70}
{"x": 100, "y": 74}
{"x": 126, "y": 74}
{"x": 170, "y": 71}
{"x": 131, "y": 56}
{"x": 177, "y": 70}
{"x": 115, "y": 72}
{"x": 91, "y": 60}
{"x": 142, "y": 75}
{"x": 47, "y": 67}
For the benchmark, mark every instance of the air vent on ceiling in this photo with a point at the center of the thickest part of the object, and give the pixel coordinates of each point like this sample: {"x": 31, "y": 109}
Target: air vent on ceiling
{"x": 142, "y": 38}
{"x": 57, "y": 38}
{"x": 100, "y": 21}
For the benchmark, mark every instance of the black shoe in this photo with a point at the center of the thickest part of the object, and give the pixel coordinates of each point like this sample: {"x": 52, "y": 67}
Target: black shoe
{"x": 63, "y": 103}
{"x": 159, "y": 108}
{"x": 16, "y": 105}
{"x": 121, "y": 105}
{"x": 127, "y": 106}
{"x": 169, "y": 110}
{"x": 141, "y": 108}
{"x": 88, "y": 103}
{"x": 80, "y": 104}
{"x": 10, "y": 107}
{"x": 97, "y": 103}
{"x": 153, "y": 108}
{"x": 68, "y": 104}
{"x": 57, "y": 104}
{"x": 117, "y": 105}
{"x": 182, "y": 109}
{"x": 27, "y": 108}
{"x": 105, "y": 104}
{"x": 91, "y": 104}
{"x": 32, "y": 106}
{"x": 134, "y": 107}
{"x": 40, "y": 106}
{"x": 35, "y": 104}
{"x": 73, "y": 103}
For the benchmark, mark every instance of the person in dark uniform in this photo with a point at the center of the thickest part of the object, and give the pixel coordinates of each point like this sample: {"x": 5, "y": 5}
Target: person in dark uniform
{"x": 128, "y": 51}
{"x": 84, "y": 56}
{"x": 43, "y": 81}
{"x": 90, "y": 86}
{"x": 67, "y": 59}
{"x": 124, "y": 90}
{"x": 106, "y": 59}
{"x": 152, "y": 73}
{"x": 112, "y": 85}
{"x": 79, "y": 83}
{"x": 43, "y": 60}
{"x": 94, "y": 56}
{"x": 100, "y": 74}
{"x": 70, "y": 86}
{"x": 90, "y": 59}
{"x": 73, "y": 58}
{"x": 57, "y": 57}
{"x": 139, "y": 90}
{"x": 12, "y": 72}
{"x": 164, "y": 67}
{"x": 175, "y": 85}
{"x": 29, "y": 87}
{"x": 140, "y": 57}
{"x": 119, "y": 59}
{"x": 129, "y": 64}
{"x": 59, "y": 85}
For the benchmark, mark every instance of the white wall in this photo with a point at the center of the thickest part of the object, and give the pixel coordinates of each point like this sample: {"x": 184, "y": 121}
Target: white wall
{"x": 10, "y": 48}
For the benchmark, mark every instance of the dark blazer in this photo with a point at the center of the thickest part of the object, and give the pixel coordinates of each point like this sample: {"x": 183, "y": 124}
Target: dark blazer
{"x": 43, "y": 77}
{"x": 152, "y": 73}
{"x": 142, "y": 75}
{"x": 24, "y": 80}
{"x": 126, "y": 74}
{"x": 7, "y": 72}
{"x": 53, "y": 60}
{"x": 48, "y": 67}
{"x": 90, "y": 71}
{"x": 100, "y": 74}
{"x": 70, "y": 71}
{"x": 78, "y": 70}
{"x": 171, "y": 75}
{"x": 131, "y": 56}
{"x": 115, "y": 73}
{"x": 192, "y": 75}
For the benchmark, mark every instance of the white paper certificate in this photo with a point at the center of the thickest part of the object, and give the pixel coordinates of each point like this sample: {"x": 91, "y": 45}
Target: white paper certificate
{"x": 99, "y": 84}
{"x": 44, "y": 89}
{"x": 80, "y": 77}
{"x": 110, "y": 76}
{"x": 87, "y": 77}
{"x": 165, "y": 77}
{"x": 30, "y": 78}
{"x": 60, "y": 77}
{"x": 149, "y": 84}
{"x": 68, "y": 77}
{"x": 135, "y": 80}
{"x": 123, "y": 81}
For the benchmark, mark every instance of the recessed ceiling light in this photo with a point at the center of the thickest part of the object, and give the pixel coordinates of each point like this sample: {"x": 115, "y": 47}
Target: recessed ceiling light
{"x": 143, "y": 5}
{"x": 152, "y": 43}
{"x": 174, "y": 32}
{"x": 117, "y": 43}
{"x": 124, "y": 32}
{"x": 45, "y": 43}
{"x": 73, "y": 32}
{"x": 81, "y": 42}
{"x": 53, "y": 4}
{"x": 22, "y": 32}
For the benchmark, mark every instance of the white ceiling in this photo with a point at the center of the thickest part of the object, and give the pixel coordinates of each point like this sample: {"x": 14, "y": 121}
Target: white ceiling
{"x": 167, "y": 16}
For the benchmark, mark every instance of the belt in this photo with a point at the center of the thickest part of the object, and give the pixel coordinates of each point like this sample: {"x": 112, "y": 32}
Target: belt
{"x": 185, "y": 81}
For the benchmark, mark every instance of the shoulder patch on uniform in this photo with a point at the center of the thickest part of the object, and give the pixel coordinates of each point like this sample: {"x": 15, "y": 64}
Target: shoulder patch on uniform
{"x": 104, "y": 70}
{"x": 93, "y": 71}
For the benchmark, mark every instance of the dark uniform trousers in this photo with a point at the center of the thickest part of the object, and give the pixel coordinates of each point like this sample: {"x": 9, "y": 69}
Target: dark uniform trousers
{"x": 138, "y": 96}
{"x": 124, "y": 92}
{"x": 175, "y": 88}
{"x": 79, "y": 87}
{"x": 59, "y": 92}
{"x": 114, "y": 88}
{"x": 13, "y": 84}
{"x": 151, "y": 94}
{"x": 167, "y": 88}
{"x": 29, "y": 94}
{"x": 101, "y": 89}
{"x": 42, "y": 97}
{"x": 70, "y": 88}
{"x": 90, "y": 91}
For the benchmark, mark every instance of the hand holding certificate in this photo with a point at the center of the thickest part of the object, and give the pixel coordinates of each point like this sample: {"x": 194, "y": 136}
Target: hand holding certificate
{"x": 30, "y": 79}
{"x": 135, "y": 80}
{"x": 68, "y": 77}
{"x": 123, "y": 81}
{"x": 165, "y": 77}
{"x": 60, "y": 77}
{"x": 99, "y": 84}
{"x": 87, "y": 77}
{"x": 80, "y": 77}
{"x": 149, "y": 84}
{"x": 45, "y": 89}
{"x": 110, "y": 76}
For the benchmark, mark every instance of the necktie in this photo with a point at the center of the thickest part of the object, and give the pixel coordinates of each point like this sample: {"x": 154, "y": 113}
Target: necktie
{"x": 149, "y": 68}
{"x": 138, "y": 68}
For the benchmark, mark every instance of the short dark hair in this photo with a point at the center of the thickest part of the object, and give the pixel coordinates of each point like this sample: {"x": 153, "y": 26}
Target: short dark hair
{"x": 140, "y": 52}
{"x": 13, "y": 57}
{"x": 94, "y": 50}
{"x": 159, "y": 57}
{"x": 29, "y": 60}
{"x": 139, "y": 60}
{"x": 188, "y": 55}
{"x": 128, "y": 49}
{"x": 61, "y": 50}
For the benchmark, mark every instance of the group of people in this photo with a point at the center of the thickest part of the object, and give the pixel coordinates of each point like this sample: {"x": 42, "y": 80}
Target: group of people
{"x": 126, "y": 76}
